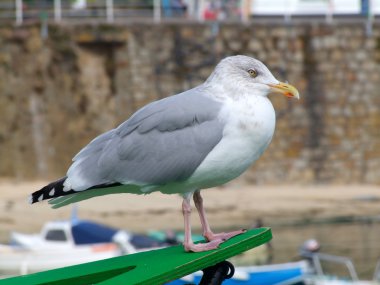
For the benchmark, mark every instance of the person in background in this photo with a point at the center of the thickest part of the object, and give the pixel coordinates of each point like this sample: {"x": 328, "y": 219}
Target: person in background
{"x": 179, "y": 8}
{"x": 308, "y": 249}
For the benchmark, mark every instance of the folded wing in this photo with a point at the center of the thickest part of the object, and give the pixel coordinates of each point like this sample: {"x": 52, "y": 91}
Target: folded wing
{"x": 163, "y": 142}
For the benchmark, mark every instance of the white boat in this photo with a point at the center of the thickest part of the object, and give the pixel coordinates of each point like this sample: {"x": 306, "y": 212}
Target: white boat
{"x": 19, "y": 261}
{"x": 279, "y": 274}
{"x": 319, "y": 276}
{"x": 64, "y": 243}
{"x": 305, "y": 272}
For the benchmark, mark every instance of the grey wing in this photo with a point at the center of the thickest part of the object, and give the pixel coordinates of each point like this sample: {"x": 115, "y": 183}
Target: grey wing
{"x": 163, "y": 142}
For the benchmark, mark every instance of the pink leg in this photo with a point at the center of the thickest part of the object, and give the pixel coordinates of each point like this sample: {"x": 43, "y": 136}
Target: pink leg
{"x": 188, "y": 241}
{"x": 207, "y": 233}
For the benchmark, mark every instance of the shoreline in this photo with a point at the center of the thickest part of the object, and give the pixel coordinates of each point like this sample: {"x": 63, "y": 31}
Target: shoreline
{"x": 231, "y": 206}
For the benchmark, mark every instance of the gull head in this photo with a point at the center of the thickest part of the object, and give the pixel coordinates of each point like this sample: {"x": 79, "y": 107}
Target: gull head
{"x": 243, "y": 74}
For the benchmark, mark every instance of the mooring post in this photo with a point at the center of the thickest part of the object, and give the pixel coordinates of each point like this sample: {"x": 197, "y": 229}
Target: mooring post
{"x": 57, "y": 11}
{"x": 19, "y": 15}
{"x": 109, "y": 11}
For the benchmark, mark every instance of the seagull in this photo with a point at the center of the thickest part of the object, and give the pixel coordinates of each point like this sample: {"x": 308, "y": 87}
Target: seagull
{"x": 197, "y": 139}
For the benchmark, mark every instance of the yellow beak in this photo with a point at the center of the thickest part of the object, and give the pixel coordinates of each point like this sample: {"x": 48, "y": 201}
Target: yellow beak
{"x": 285, "y": 89}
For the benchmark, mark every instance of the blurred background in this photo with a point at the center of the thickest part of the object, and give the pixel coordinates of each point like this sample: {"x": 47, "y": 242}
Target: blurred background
{"x": 72, "y": 69}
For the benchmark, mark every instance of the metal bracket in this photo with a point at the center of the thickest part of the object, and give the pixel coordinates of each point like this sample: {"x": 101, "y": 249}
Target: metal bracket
{"x": 216, "y": 274}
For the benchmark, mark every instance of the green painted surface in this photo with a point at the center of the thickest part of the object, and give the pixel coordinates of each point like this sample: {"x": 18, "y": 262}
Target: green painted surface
{"x": 152, "y": 267}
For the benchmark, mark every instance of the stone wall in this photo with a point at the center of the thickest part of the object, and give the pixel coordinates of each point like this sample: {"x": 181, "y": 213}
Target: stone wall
{"x": 57, "y": 93}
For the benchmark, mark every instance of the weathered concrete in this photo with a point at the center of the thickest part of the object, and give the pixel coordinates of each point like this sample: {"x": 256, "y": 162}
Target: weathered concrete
{"x": 58, "y": 93}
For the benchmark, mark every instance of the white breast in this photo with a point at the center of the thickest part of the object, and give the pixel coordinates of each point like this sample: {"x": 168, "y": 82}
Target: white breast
{"x": 249, "y": 127}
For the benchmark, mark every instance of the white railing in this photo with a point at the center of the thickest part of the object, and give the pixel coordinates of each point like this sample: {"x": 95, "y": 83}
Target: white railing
{"x": 318, "y": 258}
{"x": 58, "y": 10}
{"x": 108, "y": 10}
{"x": 158, "y": 10}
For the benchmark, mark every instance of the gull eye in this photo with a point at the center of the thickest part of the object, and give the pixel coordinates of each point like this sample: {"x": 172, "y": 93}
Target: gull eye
{"x": 252, "y": 73}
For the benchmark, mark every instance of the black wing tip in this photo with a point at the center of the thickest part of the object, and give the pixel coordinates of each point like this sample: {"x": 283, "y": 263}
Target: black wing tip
{"x": 52, "y": 190}
{"x": 56, "y": 189}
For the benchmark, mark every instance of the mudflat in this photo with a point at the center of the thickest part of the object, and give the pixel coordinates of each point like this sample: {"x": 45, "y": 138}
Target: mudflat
{"x": 230, "y": 206}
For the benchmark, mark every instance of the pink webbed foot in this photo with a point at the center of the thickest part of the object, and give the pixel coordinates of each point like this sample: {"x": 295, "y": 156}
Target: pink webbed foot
{"x": 210, "y": 236}
{"x": 214, "y": 244}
